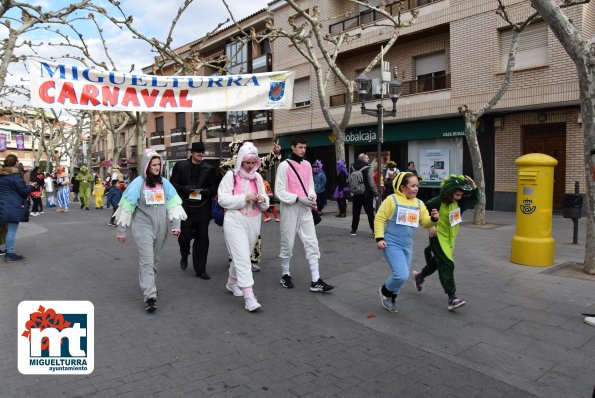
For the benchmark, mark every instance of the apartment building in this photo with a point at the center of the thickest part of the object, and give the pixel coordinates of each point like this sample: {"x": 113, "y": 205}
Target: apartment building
{"x": 454, "y": 54}
{"x": 169, "y": 132}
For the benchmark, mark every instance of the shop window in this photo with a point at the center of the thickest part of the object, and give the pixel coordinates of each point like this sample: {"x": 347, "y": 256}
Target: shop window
{"x": 532, "y": 49}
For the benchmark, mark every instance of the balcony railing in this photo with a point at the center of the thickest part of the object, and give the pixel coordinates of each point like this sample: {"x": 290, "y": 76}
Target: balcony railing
{"x": 368, "y": 16}
{"x": 157, "y": 138}
{"x": 264, "y": 63}
{"x": 426, "y": 84}
{"x": 261, "y": 121}
{"x": 411, "y": 87}
{"x": 178, "y": 134}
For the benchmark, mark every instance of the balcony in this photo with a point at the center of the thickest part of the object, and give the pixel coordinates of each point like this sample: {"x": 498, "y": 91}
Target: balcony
{"x": 178, "y": 134}
{"x": 369, "y": 16}
{"x": 424, "y": 85}
{"x": 418, "y": 86}
{"x": 264, "y": 63}
{"x": 261, "y": 121}
{"x": 157, "y": 138}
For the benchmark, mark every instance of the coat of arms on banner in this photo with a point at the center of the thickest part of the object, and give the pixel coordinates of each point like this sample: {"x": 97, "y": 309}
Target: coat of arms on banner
{"x": 277, "y": 90}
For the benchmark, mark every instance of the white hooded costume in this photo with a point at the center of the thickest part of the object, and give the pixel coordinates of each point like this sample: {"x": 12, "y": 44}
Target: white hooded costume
{"x": 242, "y": 221}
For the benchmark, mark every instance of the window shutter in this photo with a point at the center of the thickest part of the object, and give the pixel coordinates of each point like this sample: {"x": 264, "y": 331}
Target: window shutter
{"x": 301, "y": 91}
{"x": 532, "y": 49}
{"x": 430, "y": 63}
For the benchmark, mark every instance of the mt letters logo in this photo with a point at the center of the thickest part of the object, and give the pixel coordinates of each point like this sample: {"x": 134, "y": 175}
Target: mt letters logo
{"x": 56, "y": 337}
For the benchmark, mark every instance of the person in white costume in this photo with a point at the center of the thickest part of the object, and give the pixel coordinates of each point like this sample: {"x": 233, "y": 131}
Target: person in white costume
{"x": 241, "y": 193}
{"x": 294, "y": 186}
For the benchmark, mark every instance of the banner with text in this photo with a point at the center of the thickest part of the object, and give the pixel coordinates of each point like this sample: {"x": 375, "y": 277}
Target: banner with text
{"x": 58, "y": 85}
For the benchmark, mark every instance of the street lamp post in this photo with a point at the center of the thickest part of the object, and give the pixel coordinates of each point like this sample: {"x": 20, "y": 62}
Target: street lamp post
{"x": 395, "y": 87}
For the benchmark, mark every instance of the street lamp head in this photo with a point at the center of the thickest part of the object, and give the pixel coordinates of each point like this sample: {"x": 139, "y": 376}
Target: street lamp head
{"x": 364, "y": 84}
{"x": 395, "y": 88}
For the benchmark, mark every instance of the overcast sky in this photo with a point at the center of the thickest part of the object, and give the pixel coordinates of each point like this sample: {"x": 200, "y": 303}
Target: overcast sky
{"x": 151, "y": 17}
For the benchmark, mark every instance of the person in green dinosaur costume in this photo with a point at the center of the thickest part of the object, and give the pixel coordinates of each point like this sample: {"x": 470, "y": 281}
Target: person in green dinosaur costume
{"x": 458, "y": 193}
{"x": 85, "y": 178}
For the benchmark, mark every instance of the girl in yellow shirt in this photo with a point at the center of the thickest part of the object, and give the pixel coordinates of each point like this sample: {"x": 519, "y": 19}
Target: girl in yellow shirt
{"x": 395, "y": 224}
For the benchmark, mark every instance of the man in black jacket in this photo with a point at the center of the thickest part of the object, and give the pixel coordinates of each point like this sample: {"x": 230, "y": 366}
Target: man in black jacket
{"x": 367, "y": 198}
{"x": 196, "y": 183}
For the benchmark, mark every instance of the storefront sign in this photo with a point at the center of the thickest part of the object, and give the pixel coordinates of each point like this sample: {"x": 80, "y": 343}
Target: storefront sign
{"x": 363, "y": 136}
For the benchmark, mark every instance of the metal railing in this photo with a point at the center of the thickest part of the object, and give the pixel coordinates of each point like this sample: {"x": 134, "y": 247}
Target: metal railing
{"x": 157, "y": 138}
{"x": 369, "y": 16}
{"x": 410, "y": 87}
{"x": 425, "y": 85}
{"x": 264, "y": 63}
{"x": 178, "y": 134}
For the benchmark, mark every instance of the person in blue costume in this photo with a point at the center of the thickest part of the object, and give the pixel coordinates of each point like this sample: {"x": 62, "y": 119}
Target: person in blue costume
{"x": 396, "y": 221}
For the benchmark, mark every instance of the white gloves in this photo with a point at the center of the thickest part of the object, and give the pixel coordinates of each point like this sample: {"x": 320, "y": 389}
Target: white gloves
{"x": 307, "y": 202}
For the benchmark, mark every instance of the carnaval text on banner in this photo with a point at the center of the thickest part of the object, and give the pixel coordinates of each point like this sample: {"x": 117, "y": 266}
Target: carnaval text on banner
{"x": 58, "y": 85}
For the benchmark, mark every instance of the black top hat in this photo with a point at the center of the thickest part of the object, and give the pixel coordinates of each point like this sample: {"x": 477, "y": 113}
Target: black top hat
{"x": 198, "y": 147}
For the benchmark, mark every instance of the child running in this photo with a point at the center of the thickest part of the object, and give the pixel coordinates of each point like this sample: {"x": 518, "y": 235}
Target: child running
{"x": 402, "y": 213}
{"x": 99, "y": 191}
{"x": 458, "y": 193}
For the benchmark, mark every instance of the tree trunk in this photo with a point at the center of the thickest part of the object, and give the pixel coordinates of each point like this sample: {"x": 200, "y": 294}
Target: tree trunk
{"x": 586, "y": 77}
{"x": 479, "y": 218}
{"x": 7, "y": 54}
{"x": 339, "y": 144}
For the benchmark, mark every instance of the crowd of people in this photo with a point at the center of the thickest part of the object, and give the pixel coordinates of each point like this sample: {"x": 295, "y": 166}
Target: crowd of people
{"x": 152, "y": 207}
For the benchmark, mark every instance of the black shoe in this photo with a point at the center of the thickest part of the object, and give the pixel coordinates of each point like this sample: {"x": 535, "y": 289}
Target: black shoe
{"x": 353, "y": 233}
{"x": 82, "y": 205}
{"x": 286, "y": 281}
{"x": 86, "y": 208}
{"x": 2, "y": 252}
{"x": 320, "y": 286}
{"x": 203, "y": 275}
{"x": 11, "y": 257}
{"x": 184, "y": 262}
{"x": 342, "y": 215}
{"x": 151, "y": 305}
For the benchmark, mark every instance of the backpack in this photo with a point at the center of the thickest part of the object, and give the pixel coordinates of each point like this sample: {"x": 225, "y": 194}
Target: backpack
{"x": 356, "y": 181}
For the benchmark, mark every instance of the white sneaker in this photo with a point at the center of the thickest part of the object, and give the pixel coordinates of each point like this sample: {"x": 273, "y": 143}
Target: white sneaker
{"x": 255, "y": 267}
{"x": 234, "y": 288}
{"x": 590, "y": 320}
{"x": 251, "y": 304}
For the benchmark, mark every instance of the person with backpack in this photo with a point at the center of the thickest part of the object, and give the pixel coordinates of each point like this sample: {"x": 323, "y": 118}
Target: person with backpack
{"x": 361, "y": 185}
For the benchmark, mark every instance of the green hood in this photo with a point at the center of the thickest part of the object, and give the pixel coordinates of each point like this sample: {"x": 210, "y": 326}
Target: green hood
{"x": 452, "y": 184}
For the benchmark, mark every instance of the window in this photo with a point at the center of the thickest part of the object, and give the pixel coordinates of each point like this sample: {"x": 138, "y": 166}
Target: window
{"x": 301, "y": 92}
{"x": 237, "y": 53}
{"x": 159, "y": 124}
{"x": 532, "y": 49}
{"x": 430, "y": 72}
{"x": 237, "y": 122}
{"x": 180, "y": 120}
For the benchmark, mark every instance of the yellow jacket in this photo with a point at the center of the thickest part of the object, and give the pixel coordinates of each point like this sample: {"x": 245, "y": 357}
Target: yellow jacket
{"x": 387, "y": 209}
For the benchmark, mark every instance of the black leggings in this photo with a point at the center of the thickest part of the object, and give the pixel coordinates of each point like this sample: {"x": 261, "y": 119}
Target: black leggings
{"x": 37, "y": 205}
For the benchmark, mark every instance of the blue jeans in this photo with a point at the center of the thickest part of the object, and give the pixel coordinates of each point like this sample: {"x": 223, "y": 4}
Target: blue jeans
{"x": 11, "y": 235}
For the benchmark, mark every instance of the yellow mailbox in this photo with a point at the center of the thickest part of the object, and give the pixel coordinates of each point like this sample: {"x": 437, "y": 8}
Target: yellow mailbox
{"x": 532, "y": 244}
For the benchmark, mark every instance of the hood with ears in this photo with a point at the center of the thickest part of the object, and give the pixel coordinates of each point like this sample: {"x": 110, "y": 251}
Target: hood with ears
{"x": 247, "y": 148}
{"x": 147, "y": 156}
{"x": 397, "y": 182}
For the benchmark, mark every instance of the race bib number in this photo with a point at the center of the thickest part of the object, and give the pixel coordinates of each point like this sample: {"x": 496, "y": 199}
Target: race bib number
{"x": 156, "y": 197}
{"x": 195, "y": 195}
{"x": 408, "y": 217}
{"x": 455, "y": 217}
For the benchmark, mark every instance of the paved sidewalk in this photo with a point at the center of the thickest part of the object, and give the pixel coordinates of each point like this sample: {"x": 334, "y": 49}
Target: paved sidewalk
{"x": 521, "y": 325}
{"x": 521, "y": 333}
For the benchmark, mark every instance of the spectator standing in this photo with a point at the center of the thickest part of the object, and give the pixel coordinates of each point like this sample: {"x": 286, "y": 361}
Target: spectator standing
{"x": 319, "y": 185}
{"x": 363, "y": 199}
{"x": 342, "y": 189}
{"x": 13, "y": 203}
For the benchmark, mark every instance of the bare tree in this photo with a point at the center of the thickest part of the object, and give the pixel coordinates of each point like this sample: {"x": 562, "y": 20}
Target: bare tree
{"x": 471, "y": 117}
{"x": 31, "y": 17}
{"x": 322, "y": 51}
{"x": 582, "y": 52}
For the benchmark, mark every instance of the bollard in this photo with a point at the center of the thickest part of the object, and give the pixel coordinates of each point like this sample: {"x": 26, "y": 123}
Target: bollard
{"x": 572, "y": 208}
